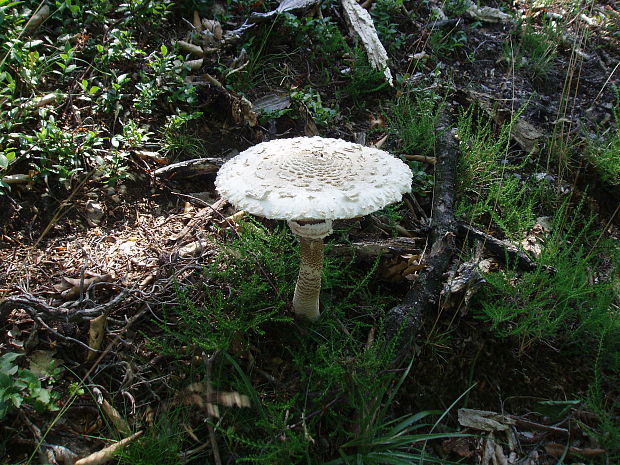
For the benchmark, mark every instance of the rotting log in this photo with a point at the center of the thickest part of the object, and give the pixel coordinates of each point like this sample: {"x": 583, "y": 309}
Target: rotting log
{"x": 404, "y": 321}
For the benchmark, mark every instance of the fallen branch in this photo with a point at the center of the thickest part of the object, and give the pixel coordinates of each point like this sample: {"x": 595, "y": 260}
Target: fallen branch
{"x": 190, "y": 168}
{"x": 40, "y": 15}
{"x": 40, "y": 309}
{"x": 108, "y": 453}
{"x": 503, "y": 250}
{"x": 375, "y": 247}
{"x": 422, "y": 158}
{"x": 201, "y": 217}
{"x": 405, "y": 320}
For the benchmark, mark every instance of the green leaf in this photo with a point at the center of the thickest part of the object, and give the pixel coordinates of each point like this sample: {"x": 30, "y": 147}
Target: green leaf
{"x": 31, "y": 380}
{"x": 164, "y": 50}
{"x": 6, "y": 363}
{"x": 5, "y": 383}
{"x": 41, "y": 395}
{"x": 16, "y": 399}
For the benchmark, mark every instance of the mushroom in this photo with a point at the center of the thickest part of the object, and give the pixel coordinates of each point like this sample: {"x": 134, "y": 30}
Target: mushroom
{"x": 310, "y": 181}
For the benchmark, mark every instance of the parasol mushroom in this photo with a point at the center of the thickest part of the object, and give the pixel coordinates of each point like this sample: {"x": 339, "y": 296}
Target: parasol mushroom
{"x": 310, "y": 181}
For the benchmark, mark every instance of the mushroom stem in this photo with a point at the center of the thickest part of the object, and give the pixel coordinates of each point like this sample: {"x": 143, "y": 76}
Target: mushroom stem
{"x": 308, "y": 287}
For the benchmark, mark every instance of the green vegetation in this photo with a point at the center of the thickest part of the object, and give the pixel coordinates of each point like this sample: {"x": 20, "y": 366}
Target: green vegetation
{"x": 604, "y": 153}
{"x": 491, "y": 192}
{"x": 113, "y": 78}
{"x": 534, "y": 48}
{"x": 556, "y": 301}
{"x": 333, "y": 362}
{"x": 386, "y": 15}
{"x": 414, "y": 118}
{"x": 246, "y": 288}
{"x": 365, "y": 79}
{"x": 20, "y": 386}
{"x": 161, "y": 444}
{"x": 85, "y": 93}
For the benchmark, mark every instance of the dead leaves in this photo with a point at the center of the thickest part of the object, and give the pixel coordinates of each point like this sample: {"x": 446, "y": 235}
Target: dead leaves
{"x": 506, "y": 436}
{"x": 211, "y": 40}
{"x": 200, "y": 395}
{"x": 72, "y": 288}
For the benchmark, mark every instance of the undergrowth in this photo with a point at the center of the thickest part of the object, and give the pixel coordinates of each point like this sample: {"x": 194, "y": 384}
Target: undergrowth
{"x": 415, "y": 117}
{"x": 244, "y": 289}
{"x": 556, "y": 301}
{"x": 341, "y": 361}
{"x": 604, "y": 151}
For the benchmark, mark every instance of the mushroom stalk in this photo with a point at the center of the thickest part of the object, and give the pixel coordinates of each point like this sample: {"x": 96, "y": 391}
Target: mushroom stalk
{"x": 308, "y": 287}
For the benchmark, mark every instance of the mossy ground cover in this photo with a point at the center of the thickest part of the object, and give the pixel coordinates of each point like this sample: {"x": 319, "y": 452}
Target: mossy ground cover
{"x": 199, "y": 347}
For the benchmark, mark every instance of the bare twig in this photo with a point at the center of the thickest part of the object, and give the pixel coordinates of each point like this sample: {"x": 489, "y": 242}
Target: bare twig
{"x": 41, "y": 309}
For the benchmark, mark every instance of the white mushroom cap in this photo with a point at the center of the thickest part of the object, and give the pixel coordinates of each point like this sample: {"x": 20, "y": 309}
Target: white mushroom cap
{"x": 313, "y": 178}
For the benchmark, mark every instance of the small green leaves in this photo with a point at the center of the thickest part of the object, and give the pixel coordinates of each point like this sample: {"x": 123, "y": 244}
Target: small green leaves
{"x": 19, "y": 385}
{"x": 6, "y": 363}
{"x": 5, "y": 159}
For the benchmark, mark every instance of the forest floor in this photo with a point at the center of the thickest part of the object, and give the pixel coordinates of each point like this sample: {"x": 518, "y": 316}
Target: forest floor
{"x": 143, "y": 320}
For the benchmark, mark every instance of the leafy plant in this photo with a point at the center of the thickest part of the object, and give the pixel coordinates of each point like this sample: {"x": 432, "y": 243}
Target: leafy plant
{"x": 455, "y": 8}
{"x": 365, "y": 79}
{"x": 19, "y": 386}
{"x": 383, "y": 14}
{"x": 311, "y": 99}
{"x": 161, "y": 443}
{"x": 443, "y": 43}
{"x": 423, "y": 181}
{"x": 392, "y": 215}
{"x": 557, "y": 300}
{"x": 536, "y": 49}
{"x": 485, "y": 180}
{"x": 604, "y": 152}
{"x": 381, "y": 440}
{"x": 164, "y": 81}
{"x": 178, "y": 138}
{"x": 246, "y": 288}
{"x": 415, "y": 116}
{"x": 600, "y": 399}
{"x": 320, "y": 37}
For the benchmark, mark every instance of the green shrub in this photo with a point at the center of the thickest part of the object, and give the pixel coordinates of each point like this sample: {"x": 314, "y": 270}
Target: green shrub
{"x": 604, "y": 152}
{"x": 247, "y": 286}
{"x": 414, "y": 120}
{"x": 558, "y": 300}
{"x": 20, "y": 385}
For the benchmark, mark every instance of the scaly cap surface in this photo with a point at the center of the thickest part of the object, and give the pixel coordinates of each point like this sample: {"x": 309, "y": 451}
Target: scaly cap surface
{"x": 312, "y": 178}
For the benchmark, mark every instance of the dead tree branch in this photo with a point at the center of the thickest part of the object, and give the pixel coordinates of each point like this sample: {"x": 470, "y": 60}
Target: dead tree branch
{"x": 38, "y": 307}
{"x": 405, "y": 320}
